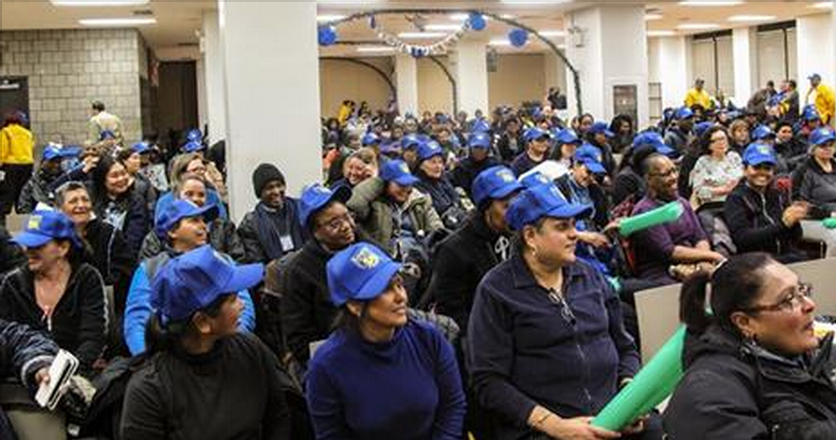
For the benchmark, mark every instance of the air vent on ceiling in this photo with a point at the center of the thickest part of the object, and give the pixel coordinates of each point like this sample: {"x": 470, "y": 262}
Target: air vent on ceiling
{"x": 143, "y": 12}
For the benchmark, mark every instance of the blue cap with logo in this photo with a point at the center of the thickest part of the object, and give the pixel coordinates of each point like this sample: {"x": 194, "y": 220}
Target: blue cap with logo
{"x": 390, "y": 147}
{"x": 317, "y": 196}
{"x": 361, "y": 272}
{"x": 683, "y": 113}
{"x": 178, "y": 210}
{"x": 821, "y": 136}
{"x": 191, "y": 282}
{"x": 52, "y": 152}
{"x": 480, "y": 126}
{"x": 567, "y": 136}
{"x": 590, "y": 156}
{"x": 542, "y": 201}
{"x": 762, "y": 132}
{"x": 535, "y": 133}
{"x": 397, "y": 171}
{"x": 653, "y": 139}
{"x": 811, "y": 114}
{"x": 370, "y": 139}
{"x": 758, "y": 154}
{"x": 140, "y": 147}
{"x": 429, "y": 150}
{"x": 494, "y": 183}
{"x": 532, "y": 179}
{"x": 193, "y": 146}
{"x": 194, "y": 135}
{"x": 479, "y": 140}
{"x": 601, "y": 128}
{"x": 410, "y": 141}
{"x": 702, "y": 127}
{"x": 44, "y": 226}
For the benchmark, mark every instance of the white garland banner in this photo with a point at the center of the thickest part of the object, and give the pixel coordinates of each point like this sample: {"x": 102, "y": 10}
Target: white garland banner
{"x": 417, "y": 50}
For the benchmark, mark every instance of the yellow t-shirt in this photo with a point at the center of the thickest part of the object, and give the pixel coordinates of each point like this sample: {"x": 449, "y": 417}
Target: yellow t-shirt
{"x": 700, "y": 97}
{"x": 17, "y": 146}
{"x": 825, "y": 103}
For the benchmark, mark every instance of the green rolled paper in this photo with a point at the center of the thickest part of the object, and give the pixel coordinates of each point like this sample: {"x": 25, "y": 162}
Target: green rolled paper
{"x": 659, "y": 216}
{"x": 651, "y": 386}
{"x": 829, "y": 223}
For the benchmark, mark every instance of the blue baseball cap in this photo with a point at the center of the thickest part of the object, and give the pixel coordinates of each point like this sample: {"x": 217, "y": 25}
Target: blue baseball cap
{"x": 316, "y": 196}
{"x": 479, "y": 140}
{"x": 397, "y": 171}
{"x": 702, "y": 127}
{"x": 193, "y": 146}
{"x": 601, "y": 128}
{"x": 390, "y": 147}
{"x": 536, "y": 178}
{"x": 811, "y": 114}
{"x": 370, "y": 139}
{"x": 568, "y": 136}
{"x": 821, "y": 136}
{"x": 180, "y": 209}
{"x": 480, "y": 126}
{"x": 683, "y": 113}
{"x": 428, "y": 150}
{"x": 762, "y": 132}
{"x": 140, "y": 147}
{"x": 542, "y": 201}
{"x": 194, "y": 135}
{"x": 815, "y": 76}
{"x": 494, "y": 183}
{"x": 52, "y": 152}
{"x": 758, "y": 153}
{"x": 591, "y": 157}
{"x": 360, "y": 272}
{"x": 536, "y": 133}
{"x": 653, "y": 139}
{"x": 191, "y": 282}
{"x": 44, "y": 226}
{"x": 410, "y": 141}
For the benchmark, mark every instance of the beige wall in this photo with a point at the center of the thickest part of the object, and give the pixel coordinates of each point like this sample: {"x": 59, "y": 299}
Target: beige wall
{"x": 518, "y": 78}
{"x": 340, "y": 80}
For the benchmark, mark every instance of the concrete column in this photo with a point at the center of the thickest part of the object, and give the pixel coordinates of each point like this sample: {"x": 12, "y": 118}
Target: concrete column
{"x": 271, "y": 60}
{"x": 213, "y": 78}
{"x": 816, "y": 50}
{"x": 745, "y": 50}
{"x": 202, "y": 112}
{"x": 471, "y": 70}
{"x": 668, "y": 65}
{"x": 608, "y": 46}
{"x": 406, "y": 70}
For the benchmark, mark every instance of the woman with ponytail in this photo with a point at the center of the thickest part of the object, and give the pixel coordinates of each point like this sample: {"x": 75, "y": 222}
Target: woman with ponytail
{"x": 754, "y": 367}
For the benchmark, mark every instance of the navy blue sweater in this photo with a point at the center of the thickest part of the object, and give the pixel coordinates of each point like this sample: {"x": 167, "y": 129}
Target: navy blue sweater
{"x": 407, "y": 389}
{"x": 527, "y": 349}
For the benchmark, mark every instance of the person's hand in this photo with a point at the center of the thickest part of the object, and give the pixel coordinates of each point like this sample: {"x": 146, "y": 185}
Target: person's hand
{"x": 595, "y": 239}
{"x": 90, "y": 162}
{"x": 42, "y": 376}
{"x": 793, "y": 214}
{"x": 578, "y": 428}
{"x": 637, "y": 426}
{"x": 612, "y": 226}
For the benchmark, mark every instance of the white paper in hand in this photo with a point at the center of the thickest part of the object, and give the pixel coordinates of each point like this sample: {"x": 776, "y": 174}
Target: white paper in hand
{"x": 60, "y": 372}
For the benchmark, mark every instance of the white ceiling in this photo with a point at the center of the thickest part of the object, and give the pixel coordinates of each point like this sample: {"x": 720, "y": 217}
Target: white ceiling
{"x": 179, "y": 22}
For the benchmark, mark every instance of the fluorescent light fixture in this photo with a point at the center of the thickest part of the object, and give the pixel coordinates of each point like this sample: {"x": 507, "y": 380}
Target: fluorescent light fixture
{"x": 375, "y": 49}
{"x": 327, "y": 18}
{"x": 421, "y": 35}
{"x": 502, "y": 42}
{"x": 661, "y": 33}
{"x": 508, "y": 16}
{"x": 822, "y": 5}
{"x": 117, "y": 22}
{"x": 750, "y": 18}
{"x": 710, "y": 3}
{"x": 552, "y": 34}
{"x": 697, "y": 26}
{"x": 99, "y": 2}
{"x": 443, "y": 27}
{"x": 653, "y": 17}
{"x": 535, "y": 2}
{"x": 463, "y": 17}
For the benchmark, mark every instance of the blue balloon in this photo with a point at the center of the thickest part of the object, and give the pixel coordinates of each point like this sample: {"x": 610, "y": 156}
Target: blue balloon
{"x": 327, "y": 35}
{"x": 518, "y": 37}
{"x": 477, "y": 22}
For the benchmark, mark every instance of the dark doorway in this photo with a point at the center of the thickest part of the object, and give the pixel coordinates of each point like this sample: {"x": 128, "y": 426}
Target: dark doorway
{"x": 176, "y": 101}
{"x": 14, "y": 95}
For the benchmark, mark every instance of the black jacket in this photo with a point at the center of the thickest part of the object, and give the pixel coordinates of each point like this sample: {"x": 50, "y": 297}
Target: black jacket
{"x": 736, "y": 391}
{"x": 459, "y": 263}
{"x": 628, "y": 183}
{"x": 11, "y": 255}
{"x": 307, "y": 311}
{"x": 107, "y": 251}
{"x": 23, "y": 351}
{"x": 811, "y": 183}
{"x": 509, "y": 147}
{"x": 754, "y": 221}
{"x": 39, "y": 189}
{"x": 79, "y": 321}
{"x": 444, "y": 196}
{"x": 223, "y": 237}
{"x": 467, "y": 170}
{"x": 138, "y": 219}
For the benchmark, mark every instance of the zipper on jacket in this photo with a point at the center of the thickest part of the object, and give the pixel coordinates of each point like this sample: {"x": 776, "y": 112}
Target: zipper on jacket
{"x": 569, "y": 317}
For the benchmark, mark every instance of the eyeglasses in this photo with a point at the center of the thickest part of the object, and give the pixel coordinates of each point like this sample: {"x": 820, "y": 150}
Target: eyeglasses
{"x": 565, "y": 311}
{"x": 337, "y": 222}
{"x": 790, "y": 303}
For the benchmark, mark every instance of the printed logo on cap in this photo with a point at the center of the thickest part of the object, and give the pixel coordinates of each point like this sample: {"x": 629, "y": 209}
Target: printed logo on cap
{"x": 404, "y": 168}
{"x": 320, "y": 189}
{"x": 506, "y": 175}
{"x": 34, "y": 222}
{"x": 366, "y": 259}
{"x": 764, "y": 149}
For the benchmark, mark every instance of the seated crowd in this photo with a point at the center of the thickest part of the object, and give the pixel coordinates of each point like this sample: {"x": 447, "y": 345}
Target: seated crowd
{"x": 450, "y": 278}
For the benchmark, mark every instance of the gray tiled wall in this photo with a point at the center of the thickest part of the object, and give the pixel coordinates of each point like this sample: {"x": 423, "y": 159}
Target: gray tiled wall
{"x": 67, "y": 70}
